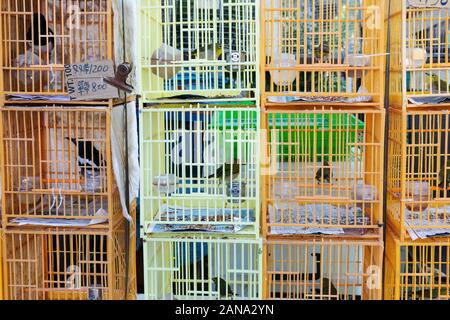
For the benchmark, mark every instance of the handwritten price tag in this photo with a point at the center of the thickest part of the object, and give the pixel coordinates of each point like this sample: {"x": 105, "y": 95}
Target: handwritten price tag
{"x": 84, "y": 81}
{"x": 430, "y": 3}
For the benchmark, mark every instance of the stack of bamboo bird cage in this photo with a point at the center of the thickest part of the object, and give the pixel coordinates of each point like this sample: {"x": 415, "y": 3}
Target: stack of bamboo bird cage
{"x": 64, "y": 232}
{"x": 199, "y": 135}
{"x": 418, "y": 199}
{"x": 323, "y": 122}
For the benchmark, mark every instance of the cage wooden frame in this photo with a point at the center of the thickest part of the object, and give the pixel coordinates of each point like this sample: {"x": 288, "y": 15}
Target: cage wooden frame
{"x": 352, "y": 267}
{"x": 297, "y": 61}
{"x": 238, "y": 262}
{"x": 68, "y": 264}
{"x": 417, "y": 192}
{"x": 416, "y": 270}
{"x": 81, "y": 31}
{"x": 298, "y": 142}
{"x": 420, "y": 55}
{"x": 202, "y": 196}
{"x": 48, "y": 179}
{"x": 1, "y": 264}
{"x": 204, "y": 48}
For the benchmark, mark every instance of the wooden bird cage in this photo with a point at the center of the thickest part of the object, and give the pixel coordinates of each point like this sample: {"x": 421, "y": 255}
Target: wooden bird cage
{"x": 323, "y": 269}
{"x": 57, "y": 163}
{"x": 198, "y": 48}
{"x": 39, "y": 37}
{"x": 324, "y": 51}
{"x": 202, "y": 268}
{"x": 419, "y": 172}
{"x": 200, "y": 168}
{"x": 323, "y": 172}
{"x": 68, "y": 264}
{"x": 420, "y": 54}
{"x": 416, "y": 270}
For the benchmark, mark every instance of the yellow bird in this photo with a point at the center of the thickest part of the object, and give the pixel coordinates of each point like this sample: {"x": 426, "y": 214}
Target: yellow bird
{"x": 444, "y": 176}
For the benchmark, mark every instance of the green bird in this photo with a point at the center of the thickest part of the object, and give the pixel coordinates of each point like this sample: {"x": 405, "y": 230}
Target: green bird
{"x": 211, "y": 52}
{"x": 227, "y": 171}
{"x": 223, "y": 287}
{"x": 438, "y": 84}
{"x": 444, "y": 176}
{"x": 324, "y": 173}
{"x": 433, "y": 294}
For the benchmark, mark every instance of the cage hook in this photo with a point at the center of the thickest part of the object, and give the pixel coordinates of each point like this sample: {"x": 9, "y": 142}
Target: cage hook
{"x": 60, "y": 200}
{"x": 52, "y": 80}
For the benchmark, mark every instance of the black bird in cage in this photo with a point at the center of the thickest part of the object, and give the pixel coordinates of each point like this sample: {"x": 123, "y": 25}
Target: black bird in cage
{"x": 41, "y": 36}
{"x": 89, "y": 157}
{"x": 431, "y": 271}
{"x": 223, "y": 287}
{"x": 327, "y": 287}
{"x": 324, "y": 173}
{"x": 227, "y": 171}
{"x": 324, "y": 286}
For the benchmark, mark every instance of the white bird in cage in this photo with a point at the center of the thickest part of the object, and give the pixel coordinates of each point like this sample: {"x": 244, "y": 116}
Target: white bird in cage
{"x": 28, "y": 78}
{"x": 28, "y": 184}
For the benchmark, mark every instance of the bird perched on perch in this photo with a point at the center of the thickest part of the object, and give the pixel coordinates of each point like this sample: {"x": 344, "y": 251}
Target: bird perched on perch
{"x": 211, "y": 52}
{"x": 223, "y": 287}
{"x": 227, "y": 171}
{"x": 40, "y": 35}
{"x": 327, "y": 287}
{"x": 327, "y": 290}
{"x": 444, "y": 176}
{"x": 89, "y": 157}
{"x": 432, "y": 294}
{"x": 433, "y": 274}
{"x": 322, "y": 52}
{"x": 323, "y": 288}
{"x": 439, "y": 85}
{"x": 324, "y": 173}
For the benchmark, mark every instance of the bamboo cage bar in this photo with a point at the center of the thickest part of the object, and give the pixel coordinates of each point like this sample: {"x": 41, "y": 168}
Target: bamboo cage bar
{"x": 1, "y": 264}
